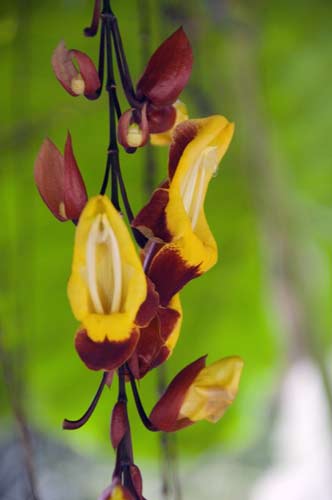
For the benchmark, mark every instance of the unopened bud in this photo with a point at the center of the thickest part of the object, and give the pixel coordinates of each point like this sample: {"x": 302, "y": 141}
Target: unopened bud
{"x": 84, "y": 80}
{"x": 59, "y": 181}
{"x": 134, "y": 136}
{"x": 130, "y": 133}
{"x": 167, "y": 72}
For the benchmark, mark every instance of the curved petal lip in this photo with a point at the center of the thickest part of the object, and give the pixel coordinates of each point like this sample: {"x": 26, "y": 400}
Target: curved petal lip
{"x": 106, "y": 355}
{"x": 149, "y": 307}
{"x": 170, "y": 272}
{"x": 151, "y": 220}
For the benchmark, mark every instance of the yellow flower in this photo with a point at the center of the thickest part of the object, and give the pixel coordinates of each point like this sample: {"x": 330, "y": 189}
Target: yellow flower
{"x": 175, "y": 214}
{"x": 107, "y": 286}
{"x": 212, "y": 391}
{"x": 198, "y": 393}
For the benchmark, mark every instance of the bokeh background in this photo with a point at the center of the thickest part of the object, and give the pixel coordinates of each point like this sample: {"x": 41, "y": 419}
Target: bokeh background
{"x": 267, "y": 67}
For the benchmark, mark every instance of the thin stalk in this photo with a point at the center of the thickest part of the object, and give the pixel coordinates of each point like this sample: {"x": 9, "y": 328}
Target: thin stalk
{"x": 125, "y": 458}
{"x": 113, "y": 162}
{"x": 76, "y": 424}
{"x": 140, "y": 408}
{"x": 110, "y": 88}
{"x": 93, "y": 28}
{"x": 124, "y": 71}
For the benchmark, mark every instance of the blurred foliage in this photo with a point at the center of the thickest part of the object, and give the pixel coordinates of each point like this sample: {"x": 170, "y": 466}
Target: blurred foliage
{"x": 227, "y": 311}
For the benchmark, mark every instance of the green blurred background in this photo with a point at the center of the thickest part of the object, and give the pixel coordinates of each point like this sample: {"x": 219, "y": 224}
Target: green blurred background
{"x": 267, "y": 67}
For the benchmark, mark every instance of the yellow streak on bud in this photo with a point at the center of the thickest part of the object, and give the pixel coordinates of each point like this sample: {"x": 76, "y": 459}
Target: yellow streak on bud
{"x": 134, "y": 135}
{"x": 62, "y": 210}
{"x": 117, "y": 494}
{"x": 77, "y": 84}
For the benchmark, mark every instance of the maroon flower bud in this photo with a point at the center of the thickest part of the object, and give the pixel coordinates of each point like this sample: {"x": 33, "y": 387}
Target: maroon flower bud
{"x": 160, "y": 119}
{"x": 198, "y": 393}
{"x": 59, "y": 181}
{"x": 167, "y": 71}
{"x": 133, "y": 132}
{"x": 136, "y": 478}
{"x": 119, "y": 423}
{"x": 75, "y": 82}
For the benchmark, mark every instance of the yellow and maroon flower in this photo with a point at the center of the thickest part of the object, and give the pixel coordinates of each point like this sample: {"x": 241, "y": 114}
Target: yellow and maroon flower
{"x": 106, "y": 288}
{"x": 75, "y": 82}
{"x": 59, "y": 181}
{"x": 174, "y": 217}
{"x": 165, "y": 76}
{"x": 198, "y": 393}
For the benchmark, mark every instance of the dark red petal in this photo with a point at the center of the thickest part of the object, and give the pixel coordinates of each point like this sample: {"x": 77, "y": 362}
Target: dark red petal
{"x": 169, "y": 272}
{"x": 136, "y": 478}
{"x": 168, "y": 319}
{"x": 160, "y": 358}
{"x": 151, "y": 220}
{"x": 160, "y": 119}
{"x": 63, "y": 67}
{"x": 49, "y": 178}
{"x": 165, "y": 413}
{"x": 149, "y": 307}
{"x": 119, "y": 423}
{"x": 183, "y": 134}
{"x": 75, "y": 195}
{"x": 88, "y": 72}
{"x": 106, "y": 355}
{"x": 133, "y": 365}
{"x": 168, "y": 70}
{"x": 148, "y": 346}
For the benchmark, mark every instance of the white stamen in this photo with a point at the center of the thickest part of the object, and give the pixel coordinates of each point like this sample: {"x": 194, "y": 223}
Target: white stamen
{"x": 91, "y": 265}
{"x": 194, "y": 183}
{"x": 199, "y": 198}
{"x": 117, "y": 269}
{"x": 188, "y": 186}
{"x": 107, "y": 283}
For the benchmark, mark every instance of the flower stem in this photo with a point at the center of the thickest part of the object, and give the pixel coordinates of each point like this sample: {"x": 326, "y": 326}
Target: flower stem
{"x": 113, "y": 162}
{"x": 93, "y": 28}
{"x": 124, "y": 455}
{"x": 140, "y": 409}
{"x": 76, "y": 424}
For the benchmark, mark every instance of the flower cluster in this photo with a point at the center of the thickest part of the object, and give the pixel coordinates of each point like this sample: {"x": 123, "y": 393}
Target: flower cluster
{"x": 127, "y": 302}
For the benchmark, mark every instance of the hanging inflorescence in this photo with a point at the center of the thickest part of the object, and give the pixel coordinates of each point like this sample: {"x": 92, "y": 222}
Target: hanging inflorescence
{"x": 128, "y": 304}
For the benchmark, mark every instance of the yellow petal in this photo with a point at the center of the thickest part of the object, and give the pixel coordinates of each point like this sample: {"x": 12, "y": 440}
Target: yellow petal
{"x": 213, "y": 390}
{"x": 185, "y": 210}
{"x": 171, "y": 342}
{"x": 107, "y": 284}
